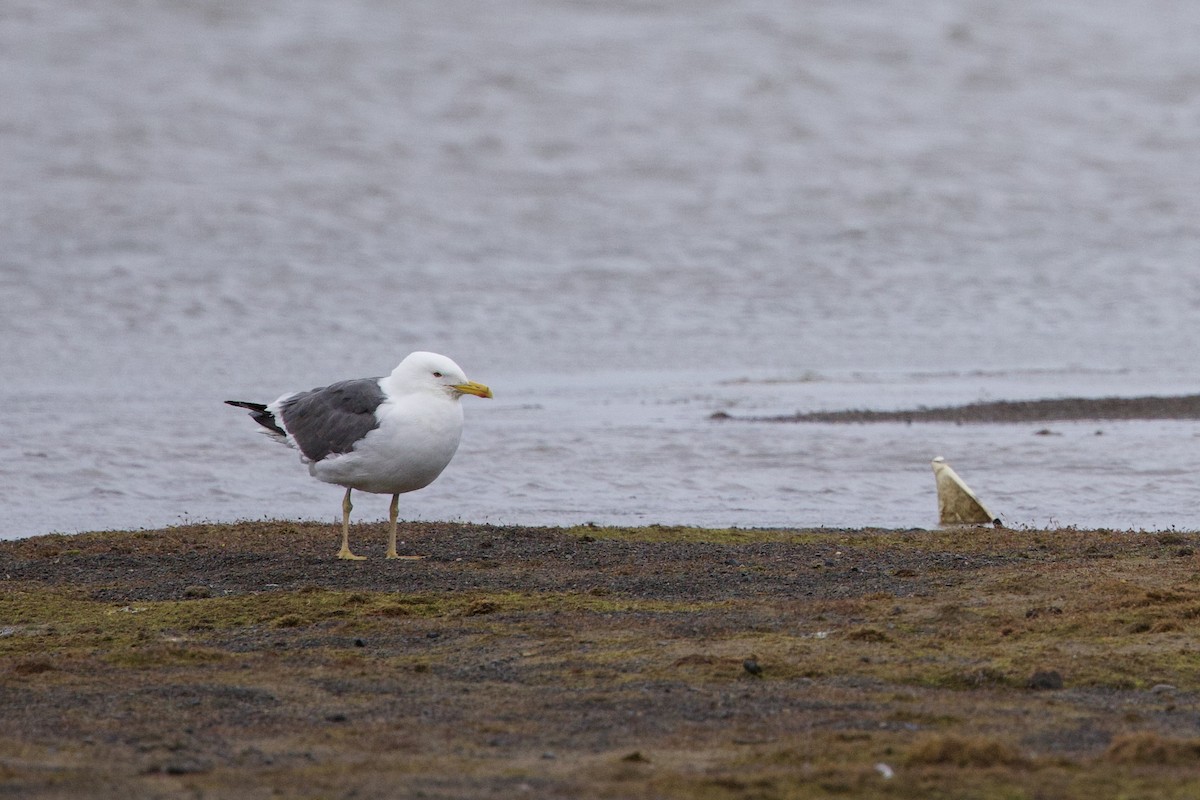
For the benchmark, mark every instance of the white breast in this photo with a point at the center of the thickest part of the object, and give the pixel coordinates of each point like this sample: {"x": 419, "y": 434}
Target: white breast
{"x": 416, "y": 438}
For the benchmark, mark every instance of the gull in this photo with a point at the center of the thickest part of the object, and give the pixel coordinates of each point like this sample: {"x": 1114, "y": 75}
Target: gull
{"x": 386, "y": 435}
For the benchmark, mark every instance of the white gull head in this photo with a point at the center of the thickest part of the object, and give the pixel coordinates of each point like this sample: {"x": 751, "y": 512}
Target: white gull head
{"x": 431, "y": 372}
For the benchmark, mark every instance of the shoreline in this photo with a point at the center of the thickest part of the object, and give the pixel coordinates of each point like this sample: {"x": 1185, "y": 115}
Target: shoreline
{"x": 234, "y": 660}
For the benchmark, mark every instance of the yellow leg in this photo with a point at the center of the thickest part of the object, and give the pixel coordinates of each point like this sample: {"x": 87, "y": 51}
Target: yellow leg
{"x": 391, "y": 553}
{"x": 393, "y": 511}
{"x": 345, "y": 551}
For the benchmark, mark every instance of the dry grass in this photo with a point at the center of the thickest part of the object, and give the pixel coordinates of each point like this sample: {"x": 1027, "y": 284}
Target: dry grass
{"x": 1151, "y": 748}
{"x": 957, "y": 751}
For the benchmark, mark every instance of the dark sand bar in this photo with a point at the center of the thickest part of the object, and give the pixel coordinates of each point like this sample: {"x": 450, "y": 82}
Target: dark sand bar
{"x": 1016, "y": 411}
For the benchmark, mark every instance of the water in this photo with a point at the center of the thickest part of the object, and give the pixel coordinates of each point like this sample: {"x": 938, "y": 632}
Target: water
{"x": 623, "y": 218}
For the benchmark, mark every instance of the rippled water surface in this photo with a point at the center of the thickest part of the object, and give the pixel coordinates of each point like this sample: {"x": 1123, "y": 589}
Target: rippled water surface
{"x": 623, "y": 217}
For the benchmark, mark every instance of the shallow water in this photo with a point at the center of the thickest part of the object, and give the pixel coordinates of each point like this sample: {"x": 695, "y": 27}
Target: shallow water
{"x": 623, "y": 219}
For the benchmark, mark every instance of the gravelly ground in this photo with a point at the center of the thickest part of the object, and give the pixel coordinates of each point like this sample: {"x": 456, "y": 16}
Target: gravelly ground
{"x": 243, "y": 660}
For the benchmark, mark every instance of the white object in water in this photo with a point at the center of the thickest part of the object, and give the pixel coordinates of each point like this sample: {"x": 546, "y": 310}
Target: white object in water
{"x": 957, "y": 504}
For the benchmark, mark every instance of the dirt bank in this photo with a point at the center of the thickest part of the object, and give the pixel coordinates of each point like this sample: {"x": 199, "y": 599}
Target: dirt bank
{"x": 245, "y": 661}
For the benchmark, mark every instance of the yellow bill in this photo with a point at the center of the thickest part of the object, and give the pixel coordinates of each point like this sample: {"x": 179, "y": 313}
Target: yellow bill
{"x": 471, "y": 387}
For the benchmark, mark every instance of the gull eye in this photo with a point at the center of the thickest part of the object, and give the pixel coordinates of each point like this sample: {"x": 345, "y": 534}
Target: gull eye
{"x": 437, "y": 374}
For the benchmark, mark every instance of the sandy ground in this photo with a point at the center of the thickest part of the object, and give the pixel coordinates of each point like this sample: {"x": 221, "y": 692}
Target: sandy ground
{"x": 245, "y": 661}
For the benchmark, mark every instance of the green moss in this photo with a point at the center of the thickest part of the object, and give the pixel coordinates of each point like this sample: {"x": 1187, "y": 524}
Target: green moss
{"x": 164, "y": 655}
{"x": 42, "y": 619}
{"x": 682, "y": 533}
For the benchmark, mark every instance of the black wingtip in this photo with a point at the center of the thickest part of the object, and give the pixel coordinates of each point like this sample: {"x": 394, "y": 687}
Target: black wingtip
{"x": 246, "y": 404}
{"x": 259, "y": 413}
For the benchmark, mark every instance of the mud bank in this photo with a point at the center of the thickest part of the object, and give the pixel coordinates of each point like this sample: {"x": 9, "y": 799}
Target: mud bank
{"x": 1049, "y": 410}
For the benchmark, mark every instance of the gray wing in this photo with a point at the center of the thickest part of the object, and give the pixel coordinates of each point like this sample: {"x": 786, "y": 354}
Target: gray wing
{"x": 332, "y": 419}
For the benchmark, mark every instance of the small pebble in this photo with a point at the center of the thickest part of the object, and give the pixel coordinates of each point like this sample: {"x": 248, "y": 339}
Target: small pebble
{"x": 1045, "y": 679}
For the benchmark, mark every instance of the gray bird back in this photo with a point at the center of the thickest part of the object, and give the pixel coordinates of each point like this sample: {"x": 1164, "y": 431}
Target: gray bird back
{"x": 331, "y": 419}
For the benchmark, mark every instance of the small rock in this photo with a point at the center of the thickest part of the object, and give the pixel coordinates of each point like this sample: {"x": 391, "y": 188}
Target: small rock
{"x": 886, "y": 772}
{"x": 1045, "y": 679}
{"x": 185, "y": 766}
{"x": 636, "y": 757}
{"x": 752, "y": 666}
{"x": 1163, "y": 688}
